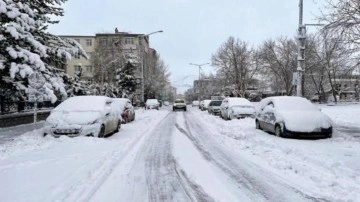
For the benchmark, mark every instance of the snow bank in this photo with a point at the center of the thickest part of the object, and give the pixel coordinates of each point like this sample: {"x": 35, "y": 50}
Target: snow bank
{"x": 328, "y": 168}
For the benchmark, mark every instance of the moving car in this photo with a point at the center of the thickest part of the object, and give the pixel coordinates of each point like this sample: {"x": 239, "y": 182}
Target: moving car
{"x": 214, "y": 107}
{"x": 152, "y": 104}
{"x": 205, "y": 105}
{"x": 292, "y": 116}
{"x": 83, "y": 116}
{"x": 127, "y": 111}
{"x": 195, "y": 103}
{"x": 179, "y": 104}
{"x": 235, "y": 107}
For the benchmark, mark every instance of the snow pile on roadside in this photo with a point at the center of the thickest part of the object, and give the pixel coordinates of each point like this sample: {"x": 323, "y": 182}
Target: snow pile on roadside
{"x": 343, "y": 114}
{"x": 325, "y": 168}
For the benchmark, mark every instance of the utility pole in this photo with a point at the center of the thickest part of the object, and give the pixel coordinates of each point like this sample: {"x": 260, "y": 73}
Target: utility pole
{"x": 301, "y": 50}
{"x": 199, "y": 66}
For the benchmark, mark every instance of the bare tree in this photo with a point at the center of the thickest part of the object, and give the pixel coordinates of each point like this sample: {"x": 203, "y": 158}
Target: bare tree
{"x": 343, "y": 17}
{"x": 279, "y": 61}
{"x": 233, "y": 62}
{"x": 156, "y": 76}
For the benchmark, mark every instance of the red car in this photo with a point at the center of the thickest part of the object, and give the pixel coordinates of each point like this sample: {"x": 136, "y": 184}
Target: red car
{"x": 126, "y": 109}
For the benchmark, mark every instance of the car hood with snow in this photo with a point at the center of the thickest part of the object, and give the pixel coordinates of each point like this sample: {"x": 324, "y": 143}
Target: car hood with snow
{"x": 59, "y": 117}
{"x": 304, "y": 121}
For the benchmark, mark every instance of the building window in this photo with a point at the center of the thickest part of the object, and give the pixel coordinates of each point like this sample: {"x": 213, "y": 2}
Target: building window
{"x": 89, "y": 68}
{"x": 77, "y": 56}
{"x": 129, "y": 41}
{"x": 103, "y": 42}
{"x": 77, "y": 68}
{"x": 88, "y": 42}
{"x": 77, "y": 40}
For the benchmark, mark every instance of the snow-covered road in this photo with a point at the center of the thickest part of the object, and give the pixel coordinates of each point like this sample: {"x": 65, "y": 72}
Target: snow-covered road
{"x": 180, "y": 156}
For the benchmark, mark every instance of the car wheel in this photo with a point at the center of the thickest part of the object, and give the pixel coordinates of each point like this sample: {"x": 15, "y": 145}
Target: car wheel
{"x": 257, "y": 125}
{"x": 185, "y": 110}
{"x": 118, "y": 126}
{"x": 278, "y": 131}
{"x": 102, "y": 131}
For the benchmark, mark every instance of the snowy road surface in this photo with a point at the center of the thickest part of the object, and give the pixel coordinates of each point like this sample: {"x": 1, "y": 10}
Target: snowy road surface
{"x": 181, "y": 156}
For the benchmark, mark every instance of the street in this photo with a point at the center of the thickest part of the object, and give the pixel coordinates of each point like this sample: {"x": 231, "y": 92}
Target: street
{"x": 180, "y": 156}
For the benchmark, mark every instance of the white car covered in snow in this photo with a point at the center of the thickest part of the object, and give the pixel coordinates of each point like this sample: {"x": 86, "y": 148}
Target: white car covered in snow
{"x": 152, "y": 104}
{"x": 83, "y": 116}
{"x": 292, "y": 116}
{"x": 236, "y": 108}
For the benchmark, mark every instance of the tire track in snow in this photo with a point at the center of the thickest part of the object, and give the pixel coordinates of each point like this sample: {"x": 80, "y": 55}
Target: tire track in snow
{"x": 84, "y": 189}
{"x": 245, "y": 174}
{"x": 165, "y": 180}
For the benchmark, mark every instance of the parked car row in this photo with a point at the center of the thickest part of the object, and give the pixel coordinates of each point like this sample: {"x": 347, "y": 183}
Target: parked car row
{"x": 96, "y": 116}
{"x": 282, "y": 115}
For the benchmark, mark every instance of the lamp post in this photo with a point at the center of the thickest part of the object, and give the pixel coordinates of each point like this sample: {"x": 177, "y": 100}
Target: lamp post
{"x": 141, "y": 37}
{"x": 199, "y": 66}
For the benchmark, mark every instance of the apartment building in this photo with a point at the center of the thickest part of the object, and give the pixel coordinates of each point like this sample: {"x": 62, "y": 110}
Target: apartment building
{"x": 79, "y": 63}
{"x": 135, "y": 44}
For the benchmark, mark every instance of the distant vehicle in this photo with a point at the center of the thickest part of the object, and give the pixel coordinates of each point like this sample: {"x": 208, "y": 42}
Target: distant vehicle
{"x": 195, "y": 103}
{"x": 126, "y": 109}
{"x": 292, "y": 116}
{"x": 152, "y": 104}
{"x": 235, "y": 107}
{"x": 205, "y": 105}
{"x": 83, "y": 116}
{"x": 179, "y": 104}
{"x": 214, "y": 107}
{"x": 166, "y": 103}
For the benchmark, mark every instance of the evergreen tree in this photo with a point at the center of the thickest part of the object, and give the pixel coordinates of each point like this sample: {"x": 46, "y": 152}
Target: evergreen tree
{"x": 26, "y": 47}
{"x": 126, "y": 78}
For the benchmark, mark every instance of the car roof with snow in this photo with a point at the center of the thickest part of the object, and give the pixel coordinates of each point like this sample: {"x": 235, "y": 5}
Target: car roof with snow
{"x": 84, "y": 103}
{"x": 233, "y": 101}
{"x": 289, "y": 103}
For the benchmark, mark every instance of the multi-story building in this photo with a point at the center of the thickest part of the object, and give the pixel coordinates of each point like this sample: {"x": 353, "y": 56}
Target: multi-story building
{"x": 79, "y": 63}
{"x": 134, "y": 47}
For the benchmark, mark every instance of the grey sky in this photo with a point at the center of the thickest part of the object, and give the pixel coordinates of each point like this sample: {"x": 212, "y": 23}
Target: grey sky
{"x": 193, "y": 29}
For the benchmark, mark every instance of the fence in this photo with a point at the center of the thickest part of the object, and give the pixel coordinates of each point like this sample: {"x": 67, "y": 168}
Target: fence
{"x": 24, "y": 106}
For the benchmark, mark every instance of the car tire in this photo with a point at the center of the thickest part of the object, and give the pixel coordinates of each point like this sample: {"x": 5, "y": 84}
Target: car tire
{"x": 101, "y": 132}
{"x": 278, "y": 131}
{"x": 118, "y": 126}
{"x": 257, "y": 125}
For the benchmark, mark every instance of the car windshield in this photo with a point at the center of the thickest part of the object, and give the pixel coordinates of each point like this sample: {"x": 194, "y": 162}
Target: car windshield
{"x": 179, "y": 101}
{"x": 215, "y": 103}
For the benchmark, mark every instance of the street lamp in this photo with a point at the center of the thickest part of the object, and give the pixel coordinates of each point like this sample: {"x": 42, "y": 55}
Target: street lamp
{"x": 143, "y": 36}
{"x": 199, "y": 66}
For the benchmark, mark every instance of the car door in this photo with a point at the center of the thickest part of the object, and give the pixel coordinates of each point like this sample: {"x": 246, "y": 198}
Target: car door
{"x": 110, "y": 117}
{"x": 222, "y": 107}
{"x": 268, "y": 117}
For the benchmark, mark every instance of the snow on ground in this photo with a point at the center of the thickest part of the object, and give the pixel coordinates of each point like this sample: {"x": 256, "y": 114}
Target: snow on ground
{"x": 192, "y": 154}
{"x": 347, "y": 115}
{"x": 34, "y": 168}
{"x": 327, "y": 168}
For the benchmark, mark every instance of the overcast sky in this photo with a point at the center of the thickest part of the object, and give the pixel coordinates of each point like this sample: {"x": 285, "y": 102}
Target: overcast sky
{"x": 193, "y": 29}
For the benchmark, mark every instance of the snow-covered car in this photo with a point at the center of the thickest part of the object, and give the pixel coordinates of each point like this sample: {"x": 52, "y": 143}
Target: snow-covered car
{"x": 152, "y": 104}
{"x": 214, "y": 107}
{"x": 205, "y": 105}
{"x": 179, "y": 104}
{"x": 195, "y": 103}
{"x": 83, "y": 116}
{"x": 236, "y": 107}
{"x": 127, "y": 111}
{"x": 292, "y": 116}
